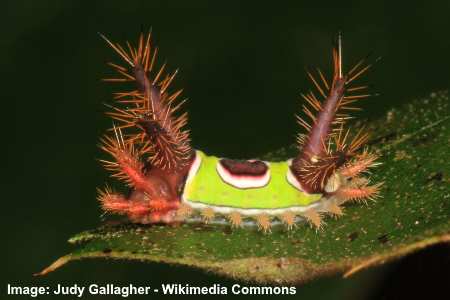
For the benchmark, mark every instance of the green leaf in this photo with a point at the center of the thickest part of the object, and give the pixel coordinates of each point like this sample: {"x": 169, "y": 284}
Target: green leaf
{"x": 413, "y": 213}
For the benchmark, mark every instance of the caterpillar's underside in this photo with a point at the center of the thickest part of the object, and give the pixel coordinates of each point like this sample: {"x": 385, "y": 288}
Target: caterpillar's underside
{"x": 171, "y": 182}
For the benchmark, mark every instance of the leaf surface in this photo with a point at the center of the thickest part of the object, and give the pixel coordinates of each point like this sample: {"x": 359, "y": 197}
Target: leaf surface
{"x": 412, "y": 213}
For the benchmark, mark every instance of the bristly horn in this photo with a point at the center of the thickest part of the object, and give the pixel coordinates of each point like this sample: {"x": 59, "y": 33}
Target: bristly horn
{"x": 325, "y": 147}
{"x": 161, "y": 135}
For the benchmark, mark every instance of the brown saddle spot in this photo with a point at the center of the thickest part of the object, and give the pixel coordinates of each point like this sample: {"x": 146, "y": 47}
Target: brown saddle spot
{"x": 244, "y": 167}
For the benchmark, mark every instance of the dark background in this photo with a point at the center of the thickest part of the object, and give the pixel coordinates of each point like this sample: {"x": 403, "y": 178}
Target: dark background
{"x": 242, "y": 67}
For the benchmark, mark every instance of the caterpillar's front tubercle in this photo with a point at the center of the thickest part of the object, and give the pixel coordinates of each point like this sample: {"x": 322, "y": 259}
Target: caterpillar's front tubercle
{"x": 171, "y": 182}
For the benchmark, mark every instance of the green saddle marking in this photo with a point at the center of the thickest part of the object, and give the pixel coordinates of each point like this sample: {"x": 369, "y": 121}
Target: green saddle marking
{"x": 207, "y": 187}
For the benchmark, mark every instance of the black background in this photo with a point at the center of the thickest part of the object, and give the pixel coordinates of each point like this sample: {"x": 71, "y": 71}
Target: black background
{"x": 242, "y": 67}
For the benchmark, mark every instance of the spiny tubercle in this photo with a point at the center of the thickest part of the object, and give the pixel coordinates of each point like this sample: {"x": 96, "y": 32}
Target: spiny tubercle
{"x": 168, "y": 147}
{"x": 314, "y": 146}
{"x": 326, "y": 147}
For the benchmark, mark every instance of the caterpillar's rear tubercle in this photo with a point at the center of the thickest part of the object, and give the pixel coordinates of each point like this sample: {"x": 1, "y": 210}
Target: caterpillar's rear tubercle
{"x": 171, "y": 182}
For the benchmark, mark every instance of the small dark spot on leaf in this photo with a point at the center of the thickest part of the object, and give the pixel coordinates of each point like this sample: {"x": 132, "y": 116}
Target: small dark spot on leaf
{"x": 383, "y": 239}
{"x": 425, "y": 139}
{"x": 227, "y": 230}
{"x": 383, "y": 138}
{"x": 282, "y": 263}
{"x": 107, "y": 251}
{"x": 353, "y": 236}
{"x": 435, "y": 176}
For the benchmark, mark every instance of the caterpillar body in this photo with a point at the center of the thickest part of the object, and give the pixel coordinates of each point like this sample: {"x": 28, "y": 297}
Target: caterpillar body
{"x": 171, "y": 182}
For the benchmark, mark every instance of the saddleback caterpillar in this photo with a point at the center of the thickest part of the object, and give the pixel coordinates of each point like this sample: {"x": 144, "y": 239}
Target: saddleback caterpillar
{"x": 171, "y": 182}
